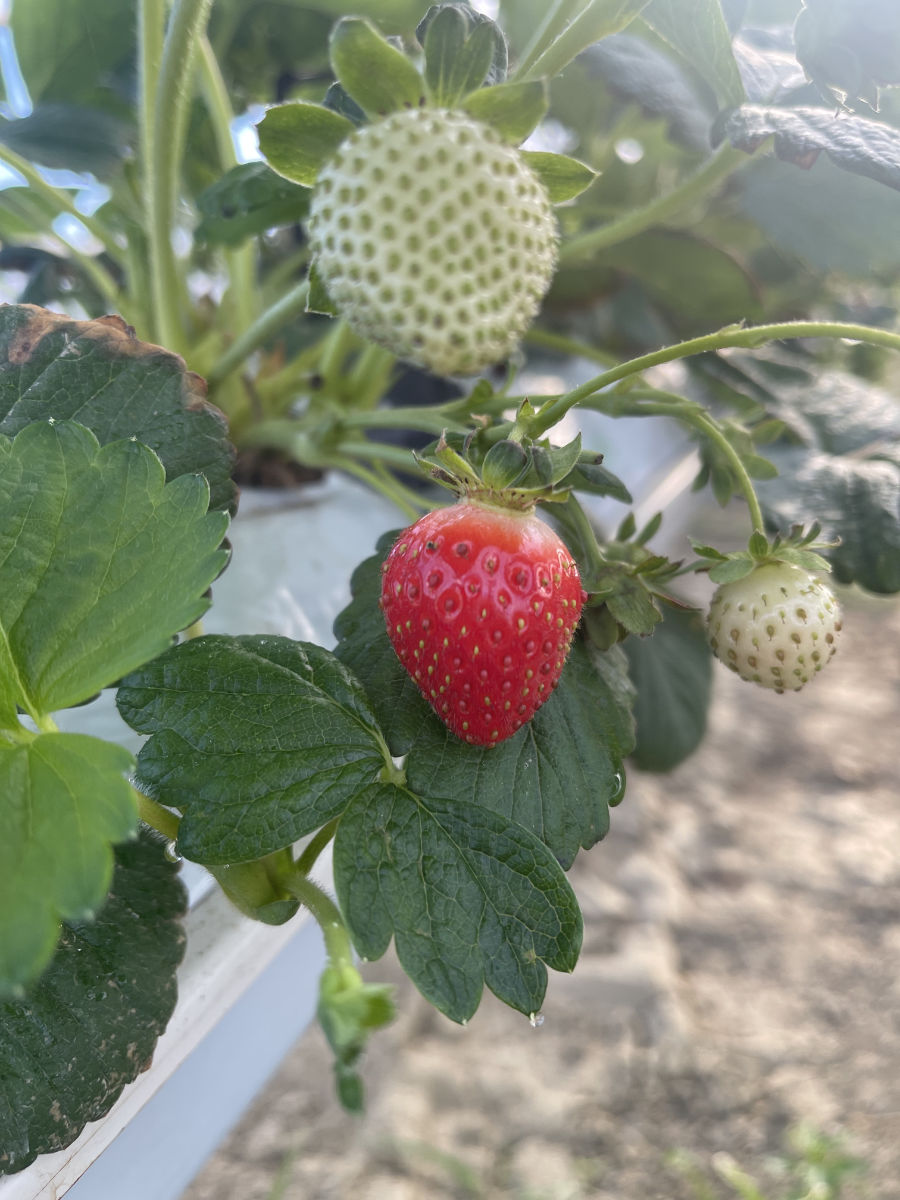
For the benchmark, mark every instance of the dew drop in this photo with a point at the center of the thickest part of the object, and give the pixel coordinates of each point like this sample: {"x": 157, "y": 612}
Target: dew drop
{"x": 536, "y": 1020}
{"x": 618, "y": 792}
{"x": 171, "y": 853}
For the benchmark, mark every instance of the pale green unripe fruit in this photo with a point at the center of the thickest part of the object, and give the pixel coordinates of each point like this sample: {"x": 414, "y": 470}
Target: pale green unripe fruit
{"x": 777, "y": 626}
{"x": 434, "y": 239}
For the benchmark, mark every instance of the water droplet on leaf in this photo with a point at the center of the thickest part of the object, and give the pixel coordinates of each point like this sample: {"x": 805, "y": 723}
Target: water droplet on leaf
{"x": 536, "y": 1020}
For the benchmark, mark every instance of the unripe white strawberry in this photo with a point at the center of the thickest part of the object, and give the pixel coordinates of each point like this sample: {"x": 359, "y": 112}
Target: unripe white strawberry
{"x": 776, "y": 627}
{"x": 434, "y": 239}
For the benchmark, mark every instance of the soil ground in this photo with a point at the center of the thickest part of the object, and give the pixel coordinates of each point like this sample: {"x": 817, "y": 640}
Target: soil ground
{"x": 739, "y": 975}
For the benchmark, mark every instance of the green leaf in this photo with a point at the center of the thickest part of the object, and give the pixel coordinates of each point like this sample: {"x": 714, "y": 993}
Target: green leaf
{"x": 337, "y": 99}
{"x": 257, "y": 740}
{"x": 90, "y": 1025}
{"x": 349, "y": 1010}
{"x": 247, "y": 200}
{"x": 469, "y": 898}
{"x": 379, "y": 78}
{"x": 318, "y": 300}
{"x": 845, "y": 472}
{"x": 593, "y": 478}
{"x": 99, "y": 374}
{"x": 598, "y": 19}
{"x": 633, "y": 605}
{"x": 461, "y": 48}
{"x": 731, "y": 570}
{"x": 513, "y": 109}
{"x": 563, "y": 177}
{"x": 553, "y": 464}
{"x": 672, "y": 673}
{"x": 66, "y": 799}
{"x": 297, "y": 138}
{"x": 68, "y": 137}
{"x": 556, "y": 776}
{"x": 101, "y": 561}
{"x": 697, "y": 30}
{"x": 64, "y": 51}
{"x": 863, "y": 147}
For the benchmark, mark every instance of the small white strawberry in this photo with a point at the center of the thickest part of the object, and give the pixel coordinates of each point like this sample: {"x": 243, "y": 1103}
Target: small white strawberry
{"x": 433, "y": 238}
{"x": 776, "y": 626}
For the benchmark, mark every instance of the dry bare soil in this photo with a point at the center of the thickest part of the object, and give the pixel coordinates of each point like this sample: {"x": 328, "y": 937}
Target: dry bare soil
{"x": 739, "y": 974}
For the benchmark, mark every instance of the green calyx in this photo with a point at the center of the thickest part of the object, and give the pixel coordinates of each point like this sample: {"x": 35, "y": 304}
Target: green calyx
{"x": 464, "y": 69}
{"x": 515, "y": 473}
{"x": 799, "y": 548}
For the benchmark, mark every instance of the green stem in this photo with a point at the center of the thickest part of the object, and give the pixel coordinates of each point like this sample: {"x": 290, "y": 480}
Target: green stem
{"x": 558, "y": 15}
{"x": 334, "y": 350}
{"x": 156, "y": 816}
{"x": 569, "y": 346}
{"x": 316, "y": 845}
{"x": 750, "y": 337}
{"x": 171, "y": 99}
{"x": 422, "y": 418}
{"x": 390, "y": 488}
{"x": 719, "y": 166}
{"x": 58, "y": 199}
{"x": 240, "y": 260}
{"x": 102, "y": 280}
{"x": 705, "y": 424}
{"x": 327, "y": 915}
{"x": 266, "y": 325}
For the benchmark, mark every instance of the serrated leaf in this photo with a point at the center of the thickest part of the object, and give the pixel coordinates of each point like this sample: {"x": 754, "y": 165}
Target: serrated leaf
{"x": 297, "y": 138}
{"x": 731, "y": 570}
{"x": 99, "y": 374}
{"x": 672, "y": 673}
{"x": 863, "y": 147}
{"x": 633, "y": 605}
{"x": 469, "y": 898}
{"x": 66, "y": 800}
{"x": 247, "y": 200}
{"x": 598, "y": 19}
{"x": 91, "y": 1023}
{"x": 697, "y": 30}
{"x": 257, "y": 740}
{"x": 461, "y": 48}
{"x": 513, "y": 109}
{"x": 379, "y": 78}
{"x": 563, "y": 177}
{"x": 101, "y": 561}
{"x": 556, "y": 776}
{"x": 318, "y": 300}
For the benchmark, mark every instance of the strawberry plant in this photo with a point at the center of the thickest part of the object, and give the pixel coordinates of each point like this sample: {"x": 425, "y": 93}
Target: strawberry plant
{"x": 370, "y": 295}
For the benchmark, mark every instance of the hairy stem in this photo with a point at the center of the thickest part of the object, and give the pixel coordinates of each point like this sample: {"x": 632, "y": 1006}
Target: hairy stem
{"x": 170, "y": 102}
{"x": 326, "y": 914}
{"x": 749, "y": 337}
{"x": 156, "y": 816}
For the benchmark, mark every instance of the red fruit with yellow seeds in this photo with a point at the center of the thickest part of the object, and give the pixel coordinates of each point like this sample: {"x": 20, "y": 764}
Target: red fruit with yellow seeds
{"x": 481, "y": 604}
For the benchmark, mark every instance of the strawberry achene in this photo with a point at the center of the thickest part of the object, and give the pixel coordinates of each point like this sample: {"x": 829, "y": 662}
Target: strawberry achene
{"x": 481, "y": 604}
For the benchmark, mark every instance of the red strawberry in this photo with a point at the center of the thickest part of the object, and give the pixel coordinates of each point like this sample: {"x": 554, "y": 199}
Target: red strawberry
{"x": 481, "y": 603}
